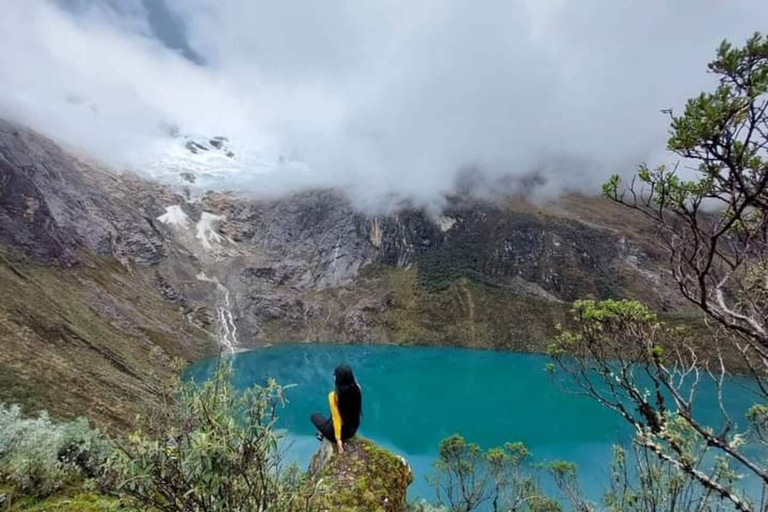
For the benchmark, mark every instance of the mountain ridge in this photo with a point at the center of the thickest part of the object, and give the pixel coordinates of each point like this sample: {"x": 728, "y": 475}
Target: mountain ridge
{"x": 155, "y": 275}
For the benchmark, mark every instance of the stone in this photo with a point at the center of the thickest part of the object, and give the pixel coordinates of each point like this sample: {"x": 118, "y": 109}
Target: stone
{"x": 365, "y": 478}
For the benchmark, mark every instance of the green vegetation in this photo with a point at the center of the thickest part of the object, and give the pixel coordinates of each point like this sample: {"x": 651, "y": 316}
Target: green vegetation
{"x": 615, "y": 355}
{"x": 495, "y": 245}
{"x": 648, "y": 372}
{"x": 76, "y": 499}
{"x": 216, "y": 450}
{"x": 96, "y": 329}
{"x": 466, "y": 312}
{"x": 466, "y": 478}
{"x": 212, "y": 450}
{"x": 39, "y": 457}
{"x": 640, "y": 482}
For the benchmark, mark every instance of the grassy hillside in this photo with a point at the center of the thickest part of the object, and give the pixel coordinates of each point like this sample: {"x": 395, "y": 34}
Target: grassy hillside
{"x": 93, "y": 340}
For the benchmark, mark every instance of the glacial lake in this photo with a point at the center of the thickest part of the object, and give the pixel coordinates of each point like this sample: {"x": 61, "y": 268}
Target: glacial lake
{"x": 415, "y": 396}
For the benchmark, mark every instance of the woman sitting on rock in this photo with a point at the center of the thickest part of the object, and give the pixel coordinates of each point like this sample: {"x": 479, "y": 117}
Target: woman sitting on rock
{"x": 346, "y": 405}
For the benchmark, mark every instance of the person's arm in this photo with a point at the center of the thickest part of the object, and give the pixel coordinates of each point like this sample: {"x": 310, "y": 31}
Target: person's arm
{"x": 336, "y": 417}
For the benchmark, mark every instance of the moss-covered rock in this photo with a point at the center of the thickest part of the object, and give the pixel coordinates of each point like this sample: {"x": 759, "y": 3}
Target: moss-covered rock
{"x": 365, "y": 478}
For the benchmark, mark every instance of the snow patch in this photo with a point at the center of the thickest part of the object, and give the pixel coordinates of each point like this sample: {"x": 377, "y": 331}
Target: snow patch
{"x": 200, "y": 164}
{"x": 206, "y": 232}
{"x": 446, "y": 223}
{"x": 175, "y": 217}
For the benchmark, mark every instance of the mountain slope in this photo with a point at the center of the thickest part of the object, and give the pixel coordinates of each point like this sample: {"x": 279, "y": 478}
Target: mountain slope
{"x": 107, "y": 277}
{"x": 84, "y": 327}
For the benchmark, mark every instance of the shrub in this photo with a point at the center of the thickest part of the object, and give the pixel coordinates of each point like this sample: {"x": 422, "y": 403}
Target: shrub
{"x": 38, "y": 456}
{"x": 465, "y": 478}
{"x": 216, "y": 450}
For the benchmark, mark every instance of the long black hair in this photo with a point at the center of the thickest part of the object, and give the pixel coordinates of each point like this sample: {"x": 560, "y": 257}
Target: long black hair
{"x": 349, "y": 395}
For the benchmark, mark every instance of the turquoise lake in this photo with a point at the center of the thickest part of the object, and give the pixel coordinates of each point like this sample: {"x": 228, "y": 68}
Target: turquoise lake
{"x": 415, "y": 396}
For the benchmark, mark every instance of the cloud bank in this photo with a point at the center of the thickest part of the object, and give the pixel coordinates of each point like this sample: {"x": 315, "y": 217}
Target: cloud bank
{"x": 388, "y": 99}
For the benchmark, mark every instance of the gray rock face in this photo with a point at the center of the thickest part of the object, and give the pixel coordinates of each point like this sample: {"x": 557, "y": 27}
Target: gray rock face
{"x": 53, "y": 204}
{"x": 309, "y": 266}
{"x": 26, "y": 222}
{"x": 76, "y": 201}
{"x": 312, "y": 240}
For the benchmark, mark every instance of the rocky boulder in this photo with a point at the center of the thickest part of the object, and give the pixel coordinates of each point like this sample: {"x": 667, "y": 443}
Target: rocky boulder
{"x": 365, "y": 478}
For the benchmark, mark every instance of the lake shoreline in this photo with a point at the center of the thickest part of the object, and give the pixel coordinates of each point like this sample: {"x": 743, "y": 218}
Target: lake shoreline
{"x": 414, "y": 396}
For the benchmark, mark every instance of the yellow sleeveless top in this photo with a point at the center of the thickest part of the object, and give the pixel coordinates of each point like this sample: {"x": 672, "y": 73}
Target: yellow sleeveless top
{"x": 335, "y": 414}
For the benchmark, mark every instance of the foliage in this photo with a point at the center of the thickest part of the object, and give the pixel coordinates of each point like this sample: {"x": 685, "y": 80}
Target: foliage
{"x": 614, "y": 355}
{"x": 564, "y": 474}
{"x": 714, "y": 225}
{"x": 38, "y": 456}
{"x": 215, "y": 450}
{"x": 640, "y": 482}
{"x": 467, "y": 313}
{"x": 466, "y": 478}
{"x": 67, "y": 500}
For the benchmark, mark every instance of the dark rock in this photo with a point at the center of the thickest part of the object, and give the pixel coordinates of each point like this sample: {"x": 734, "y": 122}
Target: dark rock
{"x": 61, "y": 198}
{"x": 218, "y": 142}
{"x": 167, "y": 290}
{"x": 26, "y": 222}
{"x": 252, "y": 275}
{"x": 195, "y": 147}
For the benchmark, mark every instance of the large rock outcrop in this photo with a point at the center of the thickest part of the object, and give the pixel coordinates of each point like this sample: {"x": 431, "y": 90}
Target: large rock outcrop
{"x": 365, "y": 478}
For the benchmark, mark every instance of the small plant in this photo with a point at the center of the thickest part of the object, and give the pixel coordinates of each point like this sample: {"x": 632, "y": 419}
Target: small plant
{"x": 216, "y": 450}
{"x": 712, "y": 221}
{"x": 465, "y": 478}
{"x": 38, "y": 456}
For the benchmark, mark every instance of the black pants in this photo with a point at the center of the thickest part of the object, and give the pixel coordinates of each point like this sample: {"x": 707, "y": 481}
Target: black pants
{"x": 325, "y": 427}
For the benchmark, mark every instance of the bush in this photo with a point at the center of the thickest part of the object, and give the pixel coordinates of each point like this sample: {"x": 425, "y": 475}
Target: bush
{"x": 38, "y": 456}
{"x": 466, "y": 478}
{"x": 215, "y": 451}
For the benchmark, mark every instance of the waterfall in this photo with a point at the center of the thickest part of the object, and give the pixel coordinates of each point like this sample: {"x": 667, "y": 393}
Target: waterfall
{"x": 336, "y": 254}
{"x": 206, "y": 241}
{"x": 227, "y": 329}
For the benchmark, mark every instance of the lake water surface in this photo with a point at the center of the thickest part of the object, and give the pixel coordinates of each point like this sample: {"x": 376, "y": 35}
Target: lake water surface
{"x": 415, "y": 396}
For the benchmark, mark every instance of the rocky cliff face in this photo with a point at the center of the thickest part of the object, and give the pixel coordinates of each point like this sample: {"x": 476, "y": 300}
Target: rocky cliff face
{"x": 490, "y": 274}
{"x": 106, "y": 277}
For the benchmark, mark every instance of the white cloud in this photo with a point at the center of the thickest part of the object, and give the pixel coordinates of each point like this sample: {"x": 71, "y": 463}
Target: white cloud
{"x": 386, "y": 98}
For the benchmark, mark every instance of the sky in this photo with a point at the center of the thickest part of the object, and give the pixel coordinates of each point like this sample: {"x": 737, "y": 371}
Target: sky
{"x": 390, "y": 100}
